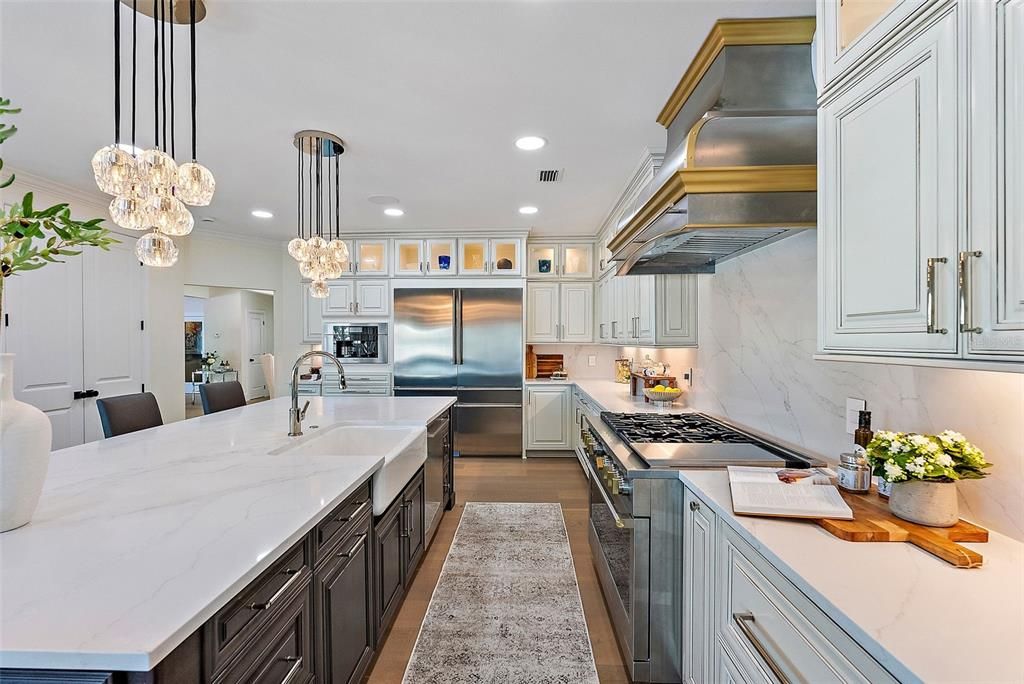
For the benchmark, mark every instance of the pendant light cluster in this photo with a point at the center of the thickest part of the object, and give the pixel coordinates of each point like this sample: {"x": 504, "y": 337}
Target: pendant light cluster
{"x": 318, "y": 248}
{"x": 150, "y": 189}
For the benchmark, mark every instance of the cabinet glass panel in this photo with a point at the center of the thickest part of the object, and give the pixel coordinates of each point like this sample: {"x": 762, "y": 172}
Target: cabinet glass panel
{"x": 474, "y": 256}
{"x": 372, "y": 257}
{"x": 441, "y": 257}
{"x": 578, "y": 261}
{"x": 541, "y": 260}
{"x": 857, "y": 16}
{"x": 407, "y": 258}
{"x": 505, "y": 257}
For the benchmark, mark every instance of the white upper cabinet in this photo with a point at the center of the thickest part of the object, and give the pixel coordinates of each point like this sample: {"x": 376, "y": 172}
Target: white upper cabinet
{"x": 440, "y": 256}
{"x": 559, "y": 312}
{"x": 371, "y": 257}
{"x": 890, "y": 183}
{"x": 357, "y": 298}
{"x": 675, "y": 310}
{"x": 992, "y": 265}
{"x": 409, "y": 258}
{"x": 647, "y": 310}
{"x": 560, "y": 260}
{"x": 483, "y": 256}
{"x": 341, "y": 298}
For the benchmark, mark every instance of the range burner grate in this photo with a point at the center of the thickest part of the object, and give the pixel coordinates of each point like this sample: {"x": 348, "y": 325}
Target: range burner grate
{"x": 681, "y": 428}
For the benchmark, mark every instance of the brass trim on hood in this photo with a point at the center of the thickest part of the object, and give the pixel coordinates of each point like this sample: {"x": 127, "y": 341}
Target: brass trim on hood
{"x": 771, "y": 31}
{"x": 722, "y": 179}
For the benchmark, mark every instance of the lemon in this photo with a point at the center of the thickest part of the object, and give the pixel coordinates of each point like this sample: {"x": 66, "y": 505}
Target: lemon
{"x": 659, "y": 388}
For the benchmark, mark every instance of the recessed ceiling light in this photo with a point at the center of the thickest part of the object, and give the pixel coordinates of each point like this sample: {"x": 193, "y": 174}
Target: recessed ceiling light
{"x": 527, "y": 210}
{"x": 262, "y": 213}
{"x": 531, "y": 142}
{"x": 394, "y": 211}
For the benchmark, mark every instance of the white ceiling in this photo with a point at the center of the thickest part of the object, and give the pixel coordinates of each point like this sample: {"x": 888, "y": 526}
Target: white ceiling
{"x": 429, "y": 96}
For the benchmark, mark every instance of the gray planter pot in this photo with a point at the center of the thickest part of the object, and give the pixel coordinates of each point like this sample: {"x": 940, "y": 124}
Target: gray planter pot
{"x": 926, "y": 503}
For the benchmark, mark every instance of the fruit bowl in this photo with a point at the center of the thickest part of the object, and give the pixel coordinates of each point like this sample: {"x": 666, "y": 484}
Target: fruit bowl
{"x": 667, "y": 396}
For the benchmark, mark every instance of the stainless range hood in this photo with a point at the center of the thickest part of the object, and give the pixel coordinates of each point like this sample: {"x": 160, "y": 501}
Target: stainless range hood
{"x": 741, "y": 171}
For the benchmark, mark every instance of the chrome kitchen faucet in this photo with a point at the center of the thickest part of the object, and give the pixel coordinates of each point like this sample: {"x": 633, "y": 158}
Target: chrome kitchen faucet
{"x": 295, "y": 415}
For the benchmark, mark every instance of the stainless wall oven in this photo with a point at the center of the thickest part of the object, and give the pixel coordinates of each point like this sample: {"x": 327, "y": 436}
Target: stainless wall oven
{"x": 635, "y": 535}
{"x": 357, "y": 341}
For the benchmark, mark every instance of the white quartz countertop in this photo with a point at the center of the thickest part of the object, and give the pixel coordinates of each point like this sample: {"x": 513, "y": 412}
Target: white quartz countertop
{"x": 139, "y": 539}
{"x": 614, "y": 396}
{"x": 921, "y": 618}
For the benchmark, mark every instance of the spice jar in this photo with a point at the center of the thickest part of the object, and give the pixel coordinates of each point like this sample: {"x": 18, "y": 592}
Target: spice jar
{"x": 854, "y": 473}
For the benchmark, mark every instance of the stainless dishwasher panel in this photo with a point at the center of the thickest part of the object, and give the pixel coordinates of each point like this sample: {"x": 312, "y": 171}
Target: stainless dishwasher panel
{"x": 489, "y": 422}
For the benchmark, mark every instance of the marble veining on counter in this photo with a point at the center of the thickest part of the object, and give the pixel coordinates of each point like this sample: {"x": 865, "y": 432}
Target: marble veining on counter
{"x": 921, "y": 618}
{"x": 139, "y": 539}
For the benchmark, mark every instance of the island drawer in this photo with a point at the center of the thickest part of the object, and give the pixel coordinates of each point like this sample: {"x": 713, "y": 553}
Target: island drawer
{"x": 774, "y": 632}
{"x": 258, "y": 604}
{"x": 340, "y": 521}
{"x": 282, "y": 653}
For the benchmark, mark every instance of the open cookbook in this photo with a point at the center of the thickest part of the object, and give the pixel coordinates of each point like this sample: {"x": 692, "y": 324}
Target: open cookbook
{"x": 787, "y": 493}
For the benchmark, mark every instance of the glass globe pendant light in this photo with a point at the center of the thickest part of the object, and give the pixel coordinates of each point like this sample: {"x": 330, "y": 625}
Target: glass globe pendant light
{"x": 317, "y": 248}
{"x": 150, "y": 189}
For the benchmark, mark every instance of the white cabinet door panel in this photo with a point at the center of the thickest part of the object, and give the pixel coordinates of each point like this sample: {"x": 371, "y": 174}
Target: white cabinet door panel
{"x": 341, "y": 298}
{"x": 676, "y": 312}
{"x": 112, "y": 339}
{"x": 542, "y": 312}
{"x": 577, "y": 317}
{"x": 698, "y": 590}
{"x": 889, "y": 201}
{"x": 44, "y": 315}
{"x": 547, "y": 425}
{"x": 993, "y": 316}
{"x": 372, "y": 298}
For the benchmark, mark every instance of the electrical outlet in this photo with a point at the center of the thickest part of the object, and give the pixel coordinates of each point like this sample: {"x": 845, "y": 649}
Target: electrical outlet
{"x": 591, "y": 360}
{"x": 688, "y": 377}
{"x": 853, "y": 409}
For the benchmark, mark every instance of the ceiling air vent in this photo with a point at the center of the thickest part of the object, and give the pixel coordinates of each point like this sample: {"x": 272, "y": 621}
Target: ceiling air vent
{"x": 549, "y": 175}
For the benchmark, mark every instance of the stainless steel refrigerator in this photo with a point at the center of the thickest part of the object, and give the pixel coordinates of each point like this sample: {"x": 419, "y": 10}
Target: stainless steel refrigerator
{"x": 466, "y": 343}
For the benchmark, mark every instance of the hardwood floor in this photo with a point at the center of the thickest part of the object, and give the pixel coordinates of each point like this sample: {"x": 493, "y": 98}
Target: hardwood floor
{"x": 535, "y": 480}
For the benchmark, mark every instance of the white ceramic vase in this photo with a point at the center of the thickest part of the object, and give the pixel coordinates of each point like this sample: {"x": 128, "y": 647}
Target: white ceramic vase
{"x": 926, "y": 503}
{"x": 25, "y": 438}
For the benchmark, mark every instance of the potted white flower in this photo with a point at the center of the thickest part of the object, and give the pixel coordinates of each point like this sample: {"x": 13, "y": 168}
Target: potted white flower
{"x": 924, "y": 470}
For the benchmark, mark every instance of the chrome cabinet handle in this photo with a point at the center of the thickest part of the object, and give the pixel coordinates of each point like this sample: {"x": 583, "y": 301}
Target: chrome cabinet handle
{"x": 600, "y": 328}
{"x": 295, "y": 574}
{"x": 355, "y": 514}
{"x": 932, "y": 302}
{"x": 351, "y": 307}
{"x": 355, "y": 548}
{"x": 602, "y": 265}
{"x": 421, "y": 267}
{"x": 294, "y": 670}
{"x": 964, "y": 276}
{"x": 613, "y": 329}
{"x": 694, "y": 506}
{"x": 743, "y": 621}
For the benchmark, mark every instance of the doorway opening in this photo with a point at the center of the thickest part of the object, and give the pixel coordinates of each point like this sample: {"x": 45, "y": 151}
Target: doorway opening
{"x": 228, "y": 337}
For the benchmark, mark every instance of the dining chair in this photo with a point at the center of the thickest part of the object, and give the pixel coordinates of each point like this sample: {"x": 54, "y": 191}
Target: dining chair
{"x": 128, "y": 413}
{"x": 221, "y": 396}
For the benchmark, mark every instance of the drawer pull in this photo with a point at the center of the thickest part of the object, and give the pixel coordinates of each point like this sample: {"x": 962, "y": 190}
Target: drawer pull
{"x": 296, "y": 666}
{"x": 358, "y": 512}
{"x": 743, "y": 621}
{"x": 931, "y": 301}
{"x": 694, "y": 506}
{"x": 964, "y": 272}
{"x": 355, "y": 548}
{"x": 279, "y": 593}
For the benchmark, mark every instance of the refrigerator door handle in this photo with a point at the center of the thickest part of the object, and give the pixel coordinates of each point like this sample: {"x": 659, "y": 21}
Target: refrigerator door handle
{"x": 457, "y": 329}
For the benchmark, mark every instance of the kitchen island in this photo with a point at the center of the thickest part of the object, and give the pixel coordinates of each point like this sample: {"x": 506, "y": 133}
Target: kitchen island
{"x": 140, "y": 540}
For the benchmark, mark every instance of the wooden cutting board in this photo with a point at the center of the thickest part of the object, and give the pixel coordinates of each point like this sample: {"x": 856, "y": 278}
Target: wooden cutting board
{"x": 548, "y": 364}
{"x": 874, "y": 522}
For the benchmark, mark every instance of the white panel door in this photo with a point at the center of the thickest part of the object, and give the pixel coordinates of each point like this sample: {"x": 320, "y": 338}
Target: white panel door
{"x": 992, "y": 266}
{"x": 676, "y": 310}
{"x": 43, "y": 312}
{"x": 312, "y": 316}
{"x": 547, "y": 417}
{"x": 112, "y": 345}
{"x": 698, "y": 590}
{"x": 256, "y": 346}
{"x": 890, "y": 211}
{"x": 341, "y": 298}
{"x": 372, "y": 298}
{"x": 409, "y": 259}
{"x": 621, "y": 309}
{"x": 577, "y": 317}
{"x": 542, "y": 318}
{"x": 645, "y": 306}
{"x": 602, "y": 293}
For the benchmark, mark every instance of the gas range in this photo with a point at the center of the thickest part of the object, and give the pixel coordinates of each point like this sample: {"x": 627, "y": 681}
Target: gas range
{"x": 694, "y": 440}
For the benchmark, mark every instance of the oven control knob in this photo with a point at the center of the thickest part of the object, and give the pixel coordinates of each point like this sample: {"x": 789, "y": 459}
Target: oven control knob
{"x": 625, "y": 487}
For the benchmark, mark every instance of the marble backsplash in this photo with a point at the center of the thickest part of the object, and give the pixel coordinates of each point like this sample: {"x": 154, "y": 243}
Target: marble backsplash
{"x": 577, "y": 359}
{"x": 754, "y": 365}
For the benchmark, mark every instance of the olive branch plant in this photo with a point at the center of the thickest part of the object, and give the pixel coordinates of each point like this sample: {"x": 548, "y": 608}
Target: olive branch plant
{"x": 33, "y": 238}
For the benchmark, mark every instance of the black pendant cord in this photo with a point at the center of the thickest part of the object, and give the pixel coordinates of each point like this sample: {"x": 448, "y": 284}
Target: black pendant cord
{"x": 170, "y": 30}
{"x": 117, "y": 72}
{"x": 163, "y": 73}
{"x": 337, "y": 196}
{"x": 135, "y": 29}
{"x": 309, "y": 189}
{"x": 330, "y": 226}
{"x": 319, "y": 191}
{"x": 156, "y": 81}
{"x": 192, "y": 37}
{"x": 298, "y": 193}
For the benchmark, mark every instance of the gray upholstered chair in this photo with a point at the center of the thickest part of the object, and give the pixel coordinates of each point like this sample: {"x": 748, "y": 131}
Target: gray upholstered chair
{"x": 221, "y": 396}
{"x": 128, "y": 413}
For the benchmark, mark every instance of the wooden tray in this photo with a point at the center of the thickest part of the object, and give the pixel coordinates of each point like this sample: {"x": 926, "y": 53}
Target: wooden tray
{"x": 548, "y": 364}
{"x": 874, "y": 522}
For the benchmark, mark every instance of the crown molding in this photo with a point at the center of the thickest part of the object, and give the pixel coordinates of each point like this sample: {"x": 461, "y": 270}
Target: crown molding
{"x": 37, "y": 182}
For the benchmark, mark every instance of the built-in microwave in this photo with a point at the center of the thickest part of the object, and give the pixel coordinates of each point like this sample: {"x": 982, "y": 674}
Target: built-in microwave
{"x": 357, "y": 342}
